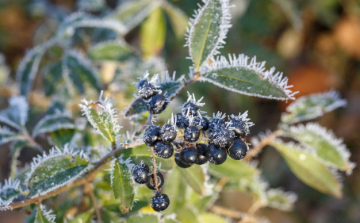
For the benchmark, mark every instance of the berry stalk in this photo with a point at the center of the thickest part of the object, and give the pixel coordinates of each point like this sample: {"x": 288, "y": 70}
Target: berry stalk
{"x": 154, "y": 168}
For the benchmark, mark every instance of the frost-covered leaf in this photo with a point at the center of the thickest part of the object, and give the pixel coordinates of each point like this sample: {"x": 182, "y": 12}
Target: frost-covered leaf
{"x": 178, "y": 18}
{"x": 83, "y": 217}
{"x": 6, "y": 135}
{"x": 29, "y": 66}
{"x": 103, "y": 117}
{"x": 91, "y": 5}
{"x": 153, "y": 33}
{"x": 312, "y": 106}
{"x": 80, "y": 71}
{"x": 16, "y": 114}
{"x": 61, "y": 137}
{"x": 208, "y": 30}
{"x": 8, "y": 192}
{"x": 325, "y": 145}
{"x": 116, "y": 50}
{"x": 239, "y": 75}
{"x": 122, "y": 185}
{"x": 175, "y": 187}
{"x": 213, "y": 218}
{"x": 43, "y": 215}
{"x": 233, "y": 169}
{"x": 137, "y": 107}
{"x": 279, "y": 199}
{"x": 54, "y": 122}
{"x": 52, "y": 76}
{"x": 195, "y": 177}
{"x": 308, "y": 169}
{"x": 88, "y": 21}
{"x": 148, "y": 218}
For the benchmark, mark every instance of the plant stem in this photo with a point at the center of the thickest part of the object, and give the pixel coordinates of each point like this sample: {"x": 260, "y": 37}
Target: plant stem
{"x": 96, "y": 207}
{"x": 227, "y": 212}
{"x": 154, "y": 168}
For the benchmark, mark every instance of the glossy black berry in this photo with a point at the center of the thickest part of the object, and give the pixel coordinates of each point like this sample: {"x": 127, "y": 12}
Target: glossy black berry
{"x": 157, "y": 104}
{"x": 151, "y": 182}
{"x": 238, "y": 127}
{"x": 188, "y": 155}
{"x": 201, "y": 123}
{"x": 213, "y": 123}
{"x": 190, "y": 109}
{"x": 140, "y": 173}
{"x": 191, "y": 134}
{"x": 181, "y": 121}
{"x": 163, "y": 150}
{"x": 168, "y": 133}
{"x": 238, "y": 150}
{"x": 215, "y": 155}
{"x": 180, "y": 162}
{"x": 160, "y": 202}
{"x": 146, "y": 89}
{"x": 151, "y": 135}
{"x": 201, "y": 154}
{"x": 222, "y": 137}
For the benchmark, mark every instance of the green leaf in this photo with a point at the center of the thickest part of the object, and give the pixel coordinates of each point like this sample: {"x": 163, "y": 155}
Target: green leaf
{"x": 213, "y": 218}
{"x": 195, "y": 177}
{"x": 83, "y": 217}
{"x": 208, "y": 31}
{"x": 54, "y": 122}
{"x": 122, "y": 185}
{"x": 254, "y": 186}
{"x": 81, "y": 71}
{"x": 148, "y": 218}
{"x": 175, "y": 187}
{"x": 112, "y": 50}
{"x": 153, "y": 33}
{"x": 52, "y": 77}
{"x": 16, "y": 147}
{"x": 16, "y": 114}
{"x": 188, "y": 215}
{"x": 277, "y": 198}
{"x": 233, "y": 169}
{"x": 61, "y": 137}
{"x": 6, "y": 135}
{"x": 200, "y": 202}
{"x": 239, "y": 75}
{"x": 308, "y": 169}
{"x": 324, "y": 143}
{"x": 178, "y": 19}
{"x": 8, "y": 192}
{"x": 312, "y": 106}
{"x": 137, "y": 107}
{"x": 43, "y": 215}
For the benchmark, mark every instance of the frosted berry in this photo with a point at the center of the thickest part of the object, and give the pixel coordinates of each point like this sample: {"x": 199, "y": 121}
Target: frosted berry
{"x": 157, "y": 104}
{"x": 215, "y": 155}
{"x": 181, "y": 121}
{"x": 238, "y": 127}
{"x": 151, "y": 182}
{"x": 140, "y": 173}
{"x": 201, "y": 154}
{"x": 188, "y": 155}
{"x": 201, "y": 123}
{"x": 151, "y": 135}
{"x": 146, "y": 89}
{"x": 213, "y": 123}
{"x": 191, "y": 134}
{"x": 180, "y": 162}
{"x": 222, "y": 137}
{"x": 168, "y": 133}
{"x": 238, "y": 150}
{"x": 163, "y": 150}
{"x": 190, "y": 109}
{"x": 160, "y": 202}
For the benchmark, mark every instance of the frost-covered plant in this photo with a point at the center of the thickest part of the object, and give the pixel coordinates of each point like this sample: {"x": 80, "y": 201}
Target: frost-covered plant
{"x": 101, "y": 160}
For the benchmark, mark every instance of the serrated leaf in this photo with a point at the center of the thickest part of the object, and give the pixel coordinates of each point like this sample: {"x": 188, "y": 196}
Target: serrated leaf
{"x": 8, "y": 192}
{"x": 308, "y": 169}
{"x": 43, "y": 215}
{"x": 233, "y": 169}
{"x": 175, "y": 186}
{"x": 6, "y": 135}
{"x": 81, "y": 71}
{"x": 178, "y": 19}
{"x": 208, "y": 31}
{"x": 279, "y": 199}
{"x": 54, "y": 122}
{"x": 312, "y": 106}
{"x": 16, "y": 114}
{"x": 195, "y": 177}
{"x": 52, "y": 76}
{"x": 238, "y": 75}
{"x": 324, "y": 143}
{"x": 153, "y": 33}
{"x": 213, "y": 218}
{"x": 148, "y": 218}
{"x": 122, "y": 185}
{"x": 83, "y": 217}
{"x": 110, "y": 50}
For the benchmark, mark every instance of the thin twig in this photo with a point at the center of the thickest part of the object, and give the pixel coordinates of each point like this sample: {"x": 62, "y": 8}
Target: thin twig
{"x": 154, "y": 168}
{"x": 96, "y": 207}
{"x": 227, "y": 212}
{"x": 257, "y": 149}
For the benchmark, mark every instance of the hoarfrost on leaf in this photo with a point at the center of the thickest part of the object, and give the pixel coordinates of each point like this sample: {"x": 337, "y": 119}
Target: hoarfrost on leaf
{"x": 16, "y": 114}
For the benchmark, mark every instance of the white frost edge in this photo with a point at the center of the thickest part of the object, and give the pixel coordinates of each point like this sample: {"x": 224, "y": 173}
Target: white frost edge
{"x": 101, "y": 23}
{"x": 6, "y": 131}
{"x": 17, "y": 104}
{"x": 8, "y": 184}
{"x": 224, "y": 26}
{"x": 242, "y": 62}
{"x": 290, "y": 196}
{"x": 83, "y": 61}
{"x": 48, "y": 214}
{"x": 37, "y": 129}
{"x": 330, "y": 137}
{"x": 243, "y": 118}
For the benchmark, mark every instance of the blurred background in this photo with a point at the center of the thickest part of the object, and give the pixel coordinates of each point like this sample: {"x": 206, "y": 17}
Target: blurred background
{"x": 315, "y": 43}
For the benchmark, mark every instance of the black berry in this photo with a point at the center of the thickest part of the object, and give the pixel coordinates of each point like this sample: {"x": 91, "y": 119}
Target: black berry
{"x": 201, "y": 123}
{"x": 190, "y": 109}
{"x": 188, "y": 155}
{"x": 151, "y": 182}
{"x": 181, "y": 121}
{"x": 157, "y": 104}
{"x": 168, "y": 133}
{"x": 146, "y": 89}
{"x": 222, "y": 137}
{"x": 140, "y": 173}
{"x": 163, "y": 150}
{"x": 213, "y": 123}
{"x": 238, "y": 150}
{"x": 201, "y": 154}
{"x": 191, "y": 134}
{"x": 151, "y": 135}
{"x": 180, "y": 162}
{"x": 215, "y": 155}
{"x": 160, "y": 202}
